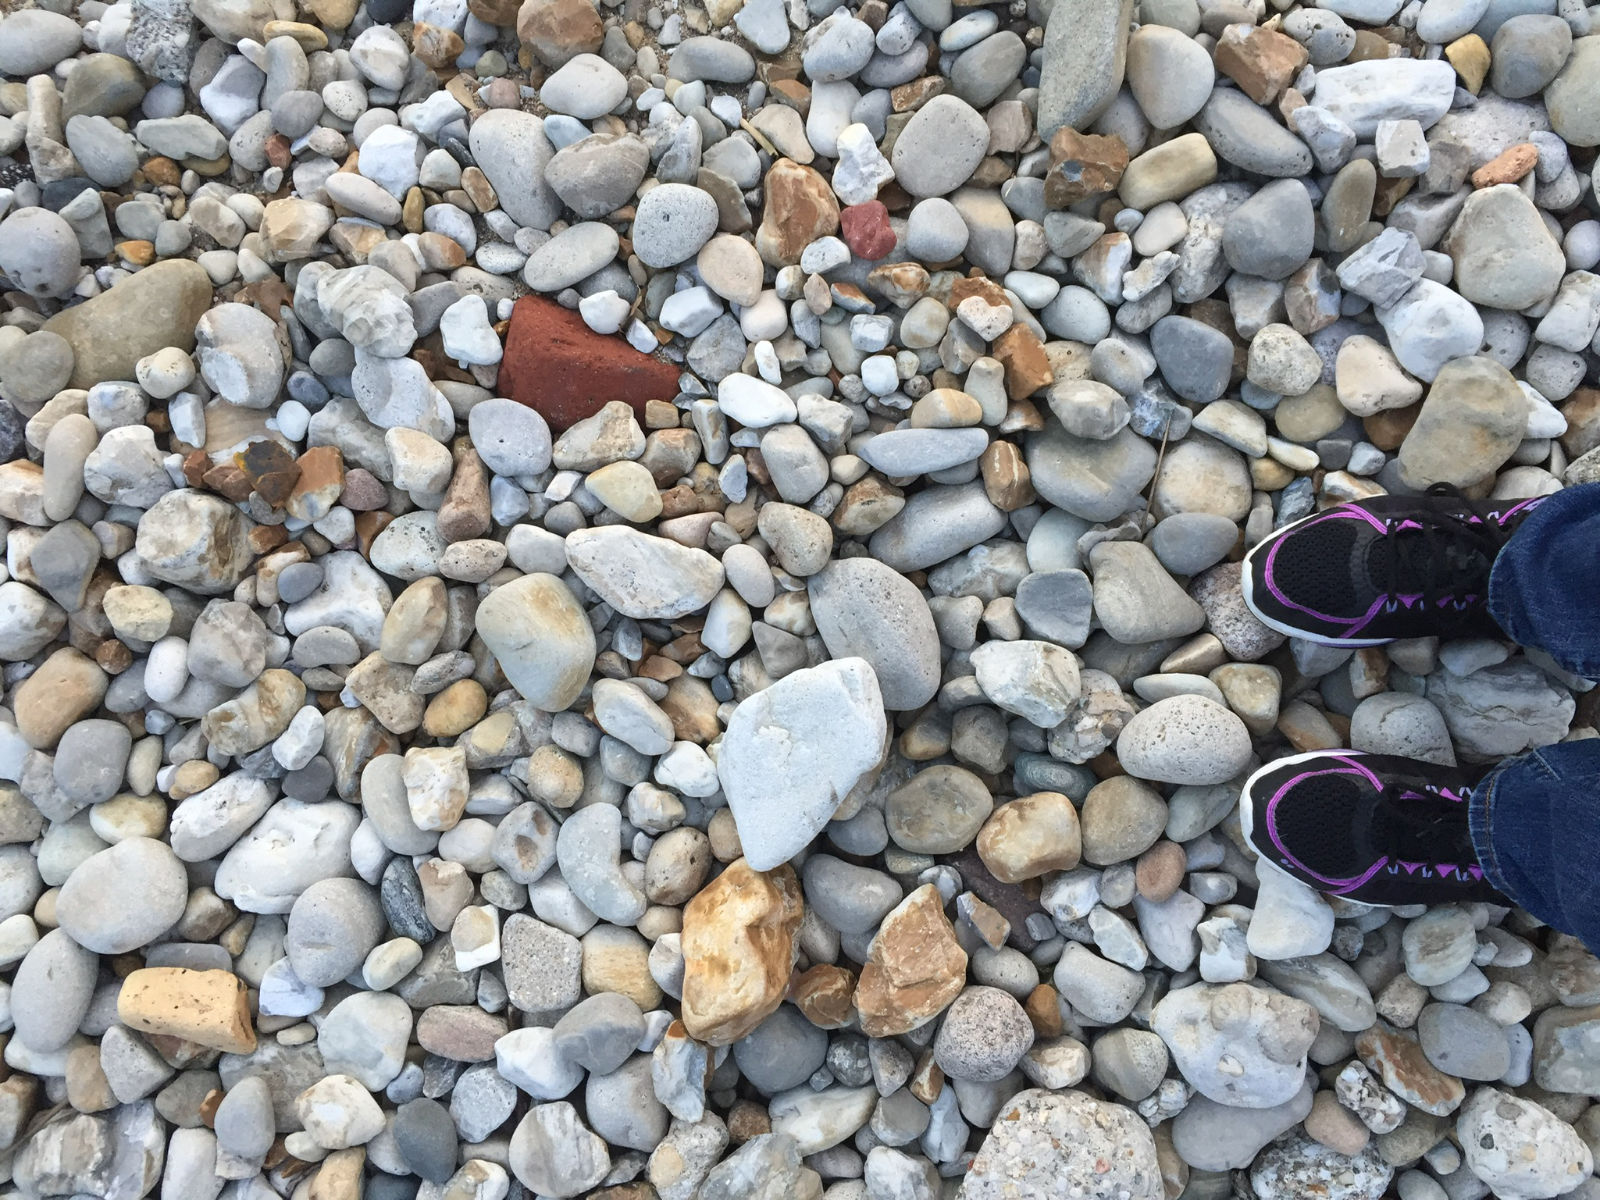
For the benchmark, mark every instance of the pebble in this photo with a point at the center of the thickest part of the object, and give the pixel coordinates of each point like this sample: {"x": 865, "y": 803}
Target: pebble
{"x": 764, "y": 764}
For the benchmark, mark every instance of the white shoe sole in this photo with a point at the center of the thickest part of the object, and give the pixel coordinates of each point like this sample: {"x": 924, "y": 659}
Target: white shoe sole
{"x": 1284, "y": 628}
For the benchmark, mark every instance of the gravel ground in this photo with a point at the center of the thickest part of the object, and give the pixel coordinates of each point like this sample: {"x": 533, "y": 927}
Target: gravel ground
{"x": 643, "y": 601}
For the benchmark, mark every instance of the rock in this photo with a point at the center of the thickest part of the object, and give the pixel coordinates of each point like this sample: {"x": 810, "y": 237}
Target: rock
{"x": 1500, "y": 710}
{"x": 1574, "y": 111}
{"x": 541, "y": 638}
{"x": 147, "y": 311}
{"x": 38, "y": 250}
{"x": 123, "y": 897}
{"x": 239, "y": 356}
{"x": 800, "y": 208}
{"x": 1236, "y": 1044}
{"x": 1169, "y": 74}
{"x": 511, "y": 149}
{"x": 598, "y": 174}
{"x": 1300, "y": 1166}
{"x": 1135, "y": 599}
{"x": 1397, "y": 89}
{"x": 793, "y": 752}
{"x": 940, "y": 147}
{"x": 1429, "y": 325}
{"x": 1271, "y": 234}
{"x": 673, "y": 221}
{"x": 1462, "y": 1042}
{"x": 52, "y": 991}
{"x": 556, "y": 30}
{"x": 1519, "y": 1148}
{"x": 1030, "y": 836}
{"x": 982, "y": 1036}
{"x": 1044, "y": 1143}
{"x": 738, "y": 939}
{"x": 562, "y": 370}
{"x": 1471, "y": 422}
{"x": 208, "y": 1007}
{"x": 1035, "y": 680}
{"x": 1085, "y": 54}
{"x": 914, "y": 967}
{"x": 35, "y": 40}
{"x": 554, "y": 1154}
{"x": 643, "y": 576}
{"x": 1184, "y": 739}
{"x": 938, "y": 811}
{"x": 1504, "y": 255}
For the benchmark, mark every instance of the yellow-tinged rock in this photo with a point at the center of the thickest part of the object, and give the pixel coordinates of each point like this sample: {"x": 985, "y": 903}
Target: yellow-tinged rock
{"x": 914, "y": 969}
{"x": 1470, "y": 57}
{"x": 211, "y": 1008}
{"x": 738, "y": 951}
{"x": 1029, "y": 836}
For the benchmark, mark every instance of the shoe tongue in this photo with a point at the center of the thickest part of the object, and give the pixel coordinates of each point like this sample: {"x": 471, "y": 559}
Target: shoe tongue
{"x": 1422, "y": 828}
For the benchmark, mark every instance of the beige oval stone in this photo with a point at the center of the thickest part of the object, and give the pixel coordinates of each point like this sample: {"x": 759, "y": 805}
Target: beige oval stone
{"x": 66, "y": 687}
{"x": 738, "y": 951}
{"x": 1030, "y": 836}
{"x": 539, "y": 634}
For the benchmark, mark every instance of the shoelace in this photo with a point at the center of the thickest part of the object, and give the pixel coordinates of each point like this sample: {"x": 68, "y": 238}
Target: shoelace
{"x": 1449, "y": 557}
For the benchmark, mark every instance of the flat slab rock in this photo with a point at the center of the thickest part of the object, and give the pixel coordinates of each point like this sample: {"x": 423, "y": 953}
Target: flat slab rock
{"x": 563, "y": 370}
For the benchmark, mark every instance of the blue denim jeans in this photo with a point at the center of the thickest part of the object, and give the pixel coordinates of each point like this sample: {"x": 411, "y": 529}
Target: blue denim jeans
{"x": 1535, "y": 819}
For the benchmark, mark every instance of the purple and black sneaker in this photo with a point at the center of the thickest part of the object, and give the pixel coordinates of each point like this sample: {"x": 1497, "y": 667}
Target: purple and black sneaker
{"x": 1369, "y": 827}
{"x": 1372, "y": 571}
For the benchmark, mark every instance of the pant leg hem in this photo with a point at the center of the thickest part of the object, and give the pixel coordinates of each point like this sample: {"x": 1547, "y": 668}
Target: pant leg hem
{"x": 1480, "y": 823}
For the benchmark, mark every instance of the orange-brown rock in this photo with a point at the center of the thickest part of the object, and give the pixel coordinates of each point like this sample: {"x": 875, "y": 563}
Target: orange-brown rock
{"x": 1006, "y": 479}
{"x": 738, "y": 951}
{"x": 914, "y": 969}
{"x": 495, "y": 12}
{"x": 1396, "y": 1058}
{"x": 1027, "y": 365}
{"x": 825, "y": 994}
{"x": 1030, "y": 836}
{"x": 1083, "y": 165}
{"x": 435, "y": 46}
{"x": 1510, "y": 165}
{"x": 1043, "y": 1007}
{"x": 1263, "y": 62}
{"x": 318, "y": 483}
{"x": 210, "y": 1008}
{"x": 800, "y": 208}
{"x": 557, "y": 30}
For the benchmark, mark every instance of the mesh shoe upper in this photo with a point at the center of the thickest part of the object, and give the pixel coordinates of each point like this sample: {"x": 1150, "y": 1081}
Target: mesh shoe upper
{"x": 1375, "y": 570}
{"x": 1369, "y": 827}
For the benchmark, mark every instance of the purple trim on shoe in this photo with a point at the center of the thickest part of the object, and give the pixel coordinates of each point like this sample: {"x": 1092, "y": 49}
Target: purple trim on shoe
{"x": 1339, "y": 887}
{"x": 1334, "y": 886}
{"x": 1354, "y": 625}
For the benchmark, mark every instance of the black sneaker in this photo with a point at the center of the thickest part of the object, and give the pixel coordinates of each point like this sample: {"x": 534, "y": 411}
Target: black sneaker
{"x": 1371, "y": 571}
{"x": 1367, "y": 827}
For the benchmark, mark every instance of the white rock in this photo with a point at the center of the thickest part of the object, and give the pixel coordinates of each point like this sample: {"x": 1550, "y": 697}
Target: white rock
{"x": 793, "y": 752}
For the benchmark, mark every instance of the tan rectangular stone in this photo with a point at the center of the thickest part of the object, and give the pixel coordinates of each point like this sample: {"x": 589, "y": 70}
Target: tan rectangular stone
{"x": 208, "y": 1007}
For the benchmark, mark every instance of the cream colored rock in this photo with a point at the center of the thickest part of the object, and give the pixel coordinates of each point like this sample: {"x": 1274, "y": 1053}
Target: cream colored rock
{"x": 1030, "y": 836}
{"x": 257, "y": 715}
{"x": 539, "y": 634}
{"x": 738, "y": 951}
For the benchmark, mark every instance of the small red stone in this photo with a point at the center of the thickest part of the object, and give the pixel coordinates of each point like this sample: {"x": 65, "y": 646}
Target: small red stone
{"x": 866, "y": 230}
{"x": 564, "y": 371}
